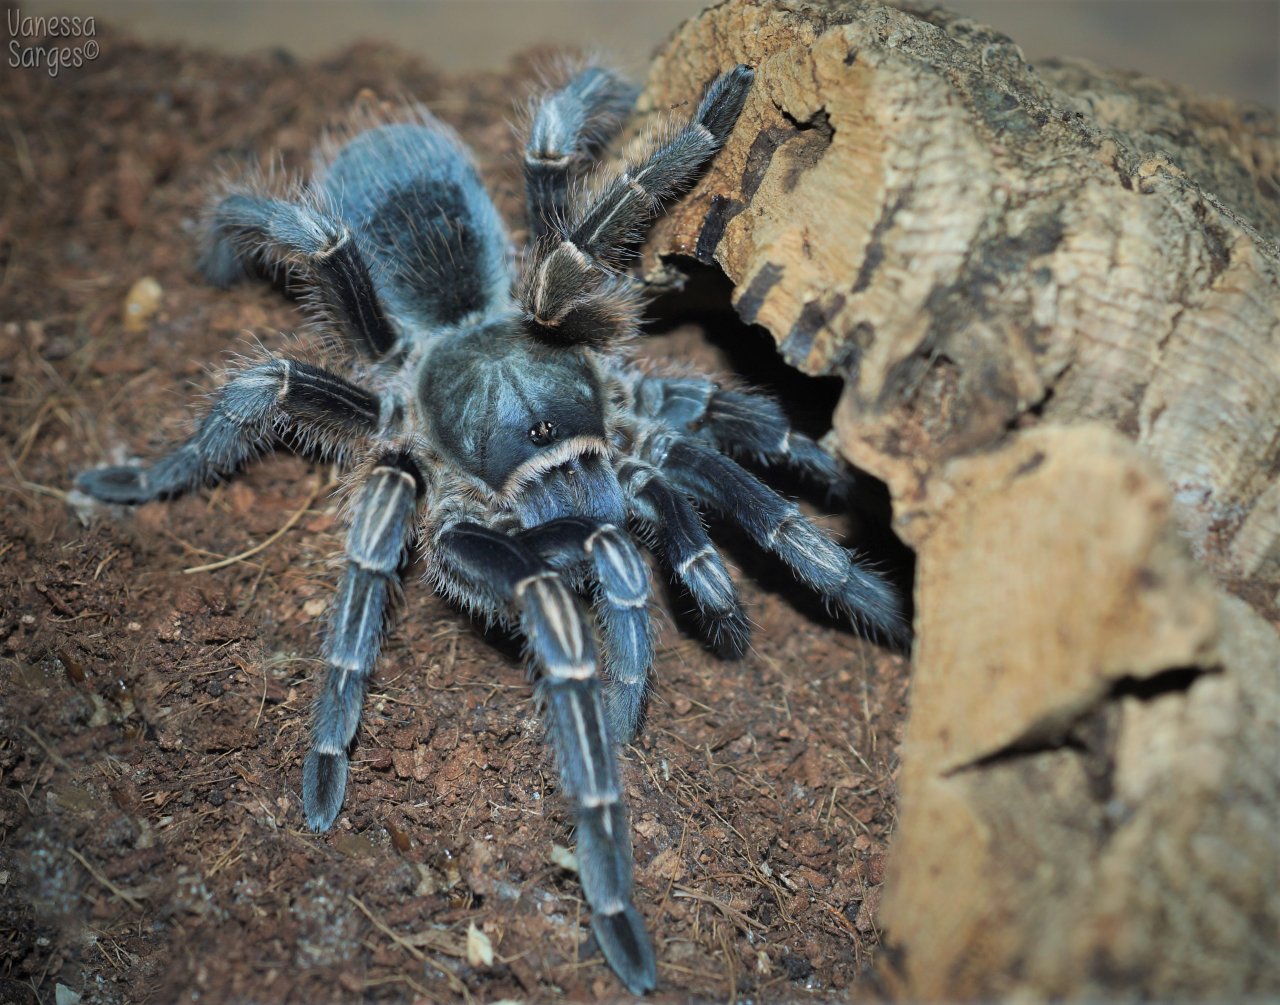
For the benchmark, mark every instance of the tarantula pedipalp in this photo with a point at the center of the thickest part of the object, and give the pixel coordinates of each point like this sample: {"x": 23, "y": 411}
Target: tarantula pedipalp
{"x": 495, "y": 419}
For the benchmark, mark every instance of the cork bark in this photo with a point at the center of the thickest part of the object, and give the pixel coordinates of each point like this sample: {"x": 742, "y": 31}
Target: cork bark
{"x": 1053, "y": 295}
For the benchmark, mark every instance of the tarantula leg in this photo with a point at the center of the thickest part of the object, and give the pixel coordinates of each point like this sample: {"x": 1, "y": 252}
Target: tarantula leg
{"x": 251, "y": 226}
{"x": 696, "y": 565}
{"x": 778, "y": 526}
{"x": 569, "y": 126}
{"x": 566, "y": 274}
{"x": 614, "y": 218}
{"x": 381, "y": 528}
{"x": 742, "y": 423}
{"x": 622, "y": 597}
{"x": 319, "y": 405}
{"x": 505, "y": 573}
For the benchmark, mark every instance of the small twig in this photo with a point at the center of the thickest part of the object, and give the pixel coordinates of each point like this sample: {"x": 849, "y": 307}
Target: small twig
{"x": 262, "y": 668}
{"x": 666, "y": 894}
{"x": 36, "y": 487}
{"x": 233, "y": 559}
{"x": 58, "y": 604}
{"x": 732, "y": 913}
{"x": 52, "y": 754}
{"x": 844, "y": 922}
{"x": 104, "y": 563}
{"x": 370, "y": 982}
{"x": 390, "y": 933}
{"x": 131, "y": 900}
{"x": 411, "y": 949}
{"x": 733, "y": 972}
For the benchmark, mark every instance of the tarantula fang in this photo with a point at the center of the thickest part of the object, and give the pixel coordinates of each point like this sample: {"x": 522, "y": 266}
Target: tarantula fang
{"x": 494, "y": 418}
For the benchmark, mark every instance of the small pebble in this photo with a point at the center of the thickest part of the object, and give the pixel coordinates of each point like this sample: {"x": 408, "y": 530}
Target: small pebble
{"x": 141, "y": 304}
{"x": 479, "y": 947}
{"x": 63, "y": 995}
{"x": 564, "y": 858}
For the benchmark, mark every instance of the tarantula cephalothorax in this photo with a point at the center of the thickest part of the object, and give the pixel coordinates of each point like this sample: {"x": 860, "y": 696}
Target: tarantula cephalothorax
{"x": 496, "y": 420}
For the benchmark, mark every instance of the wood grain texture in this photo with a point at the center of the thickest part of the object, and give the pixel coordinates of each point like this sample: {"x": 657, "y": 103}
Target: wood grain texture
{"x": 1053, "y": 295}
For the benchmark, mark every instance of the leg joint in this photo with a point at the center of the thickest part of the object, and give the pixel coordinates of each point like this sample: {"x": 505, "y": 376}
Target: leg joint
{"x": 523, "y": 585}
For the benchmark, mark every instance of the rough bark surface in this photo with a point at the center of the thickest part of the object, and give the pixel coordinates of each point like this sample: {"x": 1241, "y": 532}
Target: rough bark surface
{"x": 1054, "y": 297}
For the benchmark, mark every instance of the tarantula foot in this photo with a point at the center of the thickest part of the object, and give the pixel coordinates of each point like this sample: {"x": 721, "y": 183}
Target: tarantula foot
{"x": 724, "y": 100}
{"x": 625, "y": 945}
{"x": 728, "y": 633}
{"x": 873, "y": 605}
{"x": 624, "y": 708}
{"x": 122, "y": 484}
{"x": 841, "y": 491}
{"x": 221, "y": 263}
{"x": 324, "y": 784}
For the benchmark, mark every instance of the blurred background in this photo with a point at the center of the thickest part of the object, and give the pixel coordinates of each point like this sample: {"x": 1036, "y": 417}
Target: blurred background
{"x": 1224, "y": 47}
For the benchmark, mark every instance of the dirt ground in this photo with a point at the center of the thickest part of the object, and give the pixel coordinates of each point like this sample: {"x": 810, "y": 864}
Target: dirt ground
{"x": 153, "y": 719}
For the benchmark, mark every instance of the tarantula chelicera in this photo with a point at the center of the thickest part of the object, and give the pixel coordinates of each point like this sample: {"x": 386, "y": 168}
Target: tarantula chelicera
{"x": 496, "y": 419}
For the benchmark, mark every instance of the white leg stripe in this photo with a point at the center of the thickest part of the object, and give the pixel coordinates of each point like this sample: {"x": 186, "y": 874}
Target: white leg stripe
{"x": 562, "y": 617}
{"x": 576, "y": 253}
{"x": 572, "y": 671}
{"x": 684, "y": 566}
{"x": 580, "y": 727}
{"x": 328, "y": 250}
{"x": 284, "y": 380}
{"x": 528, "y": 581}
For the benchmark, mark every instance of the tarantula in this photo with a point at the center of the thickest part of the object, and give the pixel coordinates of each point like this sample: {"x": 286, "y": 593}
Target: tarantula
{"x": 496, "y": 419}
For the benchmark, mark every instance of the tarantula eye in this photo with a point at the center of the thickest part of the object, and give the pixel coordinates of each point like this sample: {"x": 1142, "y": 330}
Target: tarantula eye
{"x": 543, "y": 433}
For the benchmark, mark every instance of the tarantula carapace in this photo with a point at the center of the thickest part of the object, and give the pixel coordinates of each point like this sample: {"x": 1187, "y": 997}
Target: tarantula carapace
{"x": 495, "y": 419}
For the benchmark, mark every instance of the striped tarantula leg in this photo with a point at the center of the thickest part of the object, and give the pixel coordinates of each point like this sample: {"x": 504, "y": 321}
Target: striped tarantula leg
{"x": 246, "y": 227}
{"x": 504, "y": 571}
{"x": 743, "y": 423}
{"x": 569, "y": 126}
{"x": 612, "y": 221}
{"x": 696, "y": 565}
{"x": 247, "y": 411}
{"x": 382, "y": 526}
{"x": 777, "y": 525}
{"x": 566, "y": 273}
{"x": 622, "y": 597}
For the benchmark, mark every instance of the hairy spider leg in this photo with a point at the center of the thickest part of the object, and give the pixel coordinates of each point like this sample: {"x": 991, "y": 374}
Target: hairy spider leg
{"x": 621, "y": 603}
{"x": 381, "y": 530}
{"x": 569, "y": 127}
{"x": 694, "y": 562}
{"x": 322, "y": 409}
{"x": 475, "y": 561}
{"x": 741, "y": 423}
{"x": 321, "y": 246}
{"x": 777, "y": 525}
{"x": 571, "y": 294}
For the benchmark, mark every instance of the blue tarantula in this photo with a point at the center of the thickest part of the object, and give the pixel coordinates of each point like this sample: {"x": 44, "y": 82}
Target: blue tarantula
{"x": 496, "y": 420}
